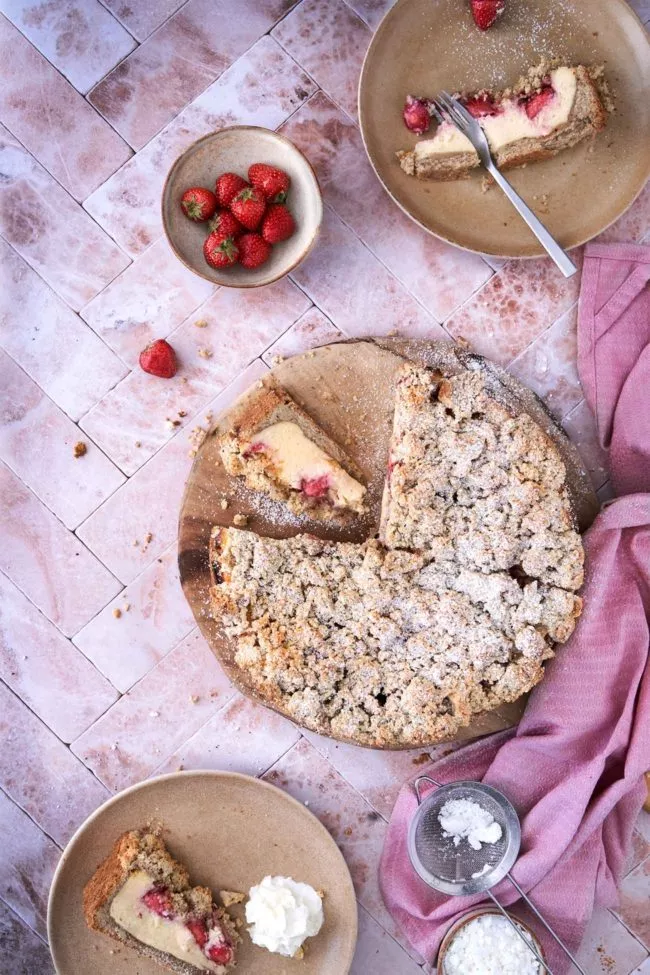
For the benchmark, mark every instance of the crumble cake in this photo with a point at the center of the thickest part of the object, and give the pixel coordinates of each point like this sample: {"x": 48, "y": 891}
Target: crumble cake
{"x": 549, "y": 110}
{"x": 141, "y": 896}
{"x": 279, "y": 450}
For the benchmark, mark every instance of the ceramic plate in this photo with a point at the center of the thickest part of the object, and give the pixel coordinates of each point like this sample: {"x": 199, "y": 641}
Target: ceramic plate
{"x": 422, "y": 46}
{"x": 230, "y": 831}
{"x": 233, "y": 150}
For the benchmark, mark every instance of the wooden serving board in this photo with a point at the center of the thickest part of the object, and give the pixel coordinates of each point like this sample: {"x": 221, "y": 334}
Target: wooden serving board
{"x": 348, "y": 388}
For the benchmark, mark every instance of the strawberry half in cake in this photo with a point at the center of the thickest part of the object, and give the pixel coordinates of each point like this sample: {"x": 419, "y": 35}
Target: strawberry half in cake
{"x": 141, "y": 896}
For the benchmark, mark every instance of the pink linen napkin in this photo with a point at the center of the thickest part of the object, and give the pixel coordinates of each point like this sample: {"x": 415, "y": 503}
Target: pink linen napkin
{"x": 574, "y": 766}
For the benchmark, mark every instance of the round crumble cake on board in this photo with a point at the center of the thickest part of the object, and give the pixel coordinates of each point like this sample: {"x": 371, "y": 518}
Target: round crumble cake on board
{"x": 348, "y": 389}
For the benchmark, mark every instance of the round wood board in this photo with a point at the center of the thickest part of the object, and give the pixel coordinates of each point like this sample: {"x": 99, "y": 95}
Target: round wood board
{"x": 230, "y": 831}
{"x": 348, "y": 388}
{"x": 424, "y": 46}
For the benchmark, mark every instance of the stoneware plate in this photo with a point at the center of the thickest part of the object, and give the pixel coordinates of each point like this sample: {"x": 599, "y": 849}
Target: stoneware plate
{"x": 234, "y": 150}
{"x": 230, "y": 831}
{"x": 423, "y": 46}
{"x": 348, "y": 389}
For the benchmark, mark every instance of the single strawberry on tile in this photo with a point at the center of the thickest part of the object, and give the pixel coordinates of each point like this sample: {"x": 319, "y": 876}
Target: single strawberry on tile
{"x": 225, "y": 224}
{"x": 274, "y": 183}
{"x": 227, "y": 187}
{"x": 278, "y": 224}
{"x": 159, "y": 359}
{"x": 220, "y": 251}
{"x": 253, "y": 251}
{"x": 249, "y": 206}
{"x": 198, "y": 203}
{"x": 485, "y": 12}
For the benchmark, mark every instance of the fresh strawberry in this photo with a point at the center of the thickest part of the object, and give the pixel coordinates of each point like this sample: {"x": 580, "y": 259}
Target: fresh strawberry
{"x": 274, "y": 183}
{"x": 416, "y": 114}
{"x": 198, "y": 203}
{"x": 249, "y": 206}
{"x": 485, "y": 12}
{"x": 278, "y": 224}
{"x": 158, "y": 900}
{"x": 222, "y": 953}
{"x": 481, "y": 105}
{"x": 159, "y": 359}
{"x": 535, "y": 103}
{"x": 199, "y": 931}
{"x": 220, "y": 251}
{"x": 225, "y": 224}
{"x": 227, "y": 186}
{"x": 253, "y": 250}
{"x": 315, "y": 487}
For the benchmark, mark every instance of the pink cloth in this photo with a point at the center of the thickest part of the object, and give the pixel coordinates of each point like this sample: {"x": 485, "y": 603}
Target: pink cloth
{"x": 573, "y": 768}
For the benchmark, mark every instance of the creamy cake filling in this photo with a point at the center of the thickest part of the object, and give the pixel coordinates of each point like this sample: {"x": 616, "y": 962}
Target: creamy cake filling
{"x": 512, "y": 119}
{"x": 303, "y": 466}
{"x": 140, "y": 909}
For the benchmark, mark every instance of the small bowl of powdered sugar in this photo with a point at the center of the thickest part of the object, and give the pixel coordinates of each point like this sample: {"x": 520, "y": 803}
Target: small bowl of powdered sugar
{"x": 483, "y": 943}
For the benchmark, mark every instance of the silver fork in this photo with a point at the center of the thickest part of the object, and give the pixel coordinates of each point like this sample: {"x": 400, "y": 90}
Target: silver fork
{"x": 458, "y": 115}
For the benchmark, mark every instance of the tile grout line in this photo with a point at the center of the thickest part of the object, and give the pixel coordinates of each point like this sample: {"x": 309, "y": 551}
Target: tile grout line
{"x": 23, "y": 921}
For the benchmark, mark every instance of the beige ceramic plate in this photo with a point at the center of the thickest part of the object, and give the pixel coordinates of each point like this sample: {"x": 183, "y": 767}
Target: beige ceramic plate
{"x": 422, "y": 46}
{"x": 234, "y": 150}
{"x": 230, "y": 830}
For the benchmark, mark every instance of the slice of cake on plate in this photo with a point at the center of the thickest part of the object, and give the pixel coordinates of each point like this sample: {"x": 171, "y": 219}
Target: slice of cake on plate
{"x": 141, "y": 896}
{"x": 546, "y": 112}
{"x": 279, "y": 450}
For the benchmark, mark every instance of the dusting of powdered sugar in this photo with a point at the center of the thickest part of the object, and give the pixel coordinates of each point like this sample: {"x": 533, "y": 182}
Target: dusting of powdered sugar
{"x": 464, "y": 819}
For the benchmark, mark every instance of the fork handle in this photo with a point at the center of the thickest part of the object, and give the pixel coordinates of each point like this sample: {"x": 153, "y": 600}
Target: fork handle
{"x": 550, "y": 245}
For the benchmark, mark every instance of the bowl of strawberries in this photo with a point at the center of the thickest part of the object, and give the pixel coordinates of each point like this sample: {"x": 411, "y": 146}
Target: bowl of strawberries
{"x": 241, "y": 207}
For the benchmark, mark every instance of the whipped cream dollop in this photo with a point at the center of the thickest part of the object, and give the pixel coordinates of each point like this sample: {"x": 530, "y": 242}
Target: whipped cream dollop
{"x": 281, "y": 913}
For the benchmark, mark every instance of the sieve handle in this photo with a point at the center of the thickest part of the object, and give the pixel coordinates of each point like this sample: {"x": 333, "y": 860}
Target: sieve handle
{"x": 517, "y": 929}
{"x": 423, "y": 778}
{"x": 545, "y": 923}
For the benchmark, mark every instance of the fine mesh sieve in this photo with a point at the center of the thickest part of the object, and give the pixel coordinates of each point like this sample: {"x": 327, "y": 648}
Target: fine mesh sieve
{"x": 461, "y": 870}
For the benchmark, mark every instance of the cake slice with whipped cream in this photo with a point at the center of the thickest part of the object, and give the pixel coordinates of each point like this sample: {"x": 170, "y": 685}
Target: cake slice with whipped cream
{"x": 547, "y": 111}
{"x": 279, "y": 450}
{"x": 141, "y": 896}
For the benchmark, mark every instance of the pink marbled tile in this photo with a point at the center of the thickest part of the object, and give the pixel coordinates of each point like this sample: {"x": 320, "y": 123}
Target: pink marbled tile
{"x": 75, "y": 373}
{"x": 146, "y": 302}
{"x": 178, "y": 62}
{"x": 125, "y": 648}
{"x": 241, "y": 737}
{"x": 53, "y": 121}
{"x": 41, "y": 774}
{"x": 142, "y": 18}
{"x": 261, "y": 88}
{"x": 151, "y": 499}
{"x": 50, "y": 231}
{"x": 642, "y": 7}
{"x": 157, "y": 715}
{"x": 643, "y": 824}
{"x": 330, "y": 41}
{"x": 605, "y": 492}
{"x": 376, "y": 951}
{"x": 372, "y": 11}
{"x": 377, "y": 775}
{"x": 47, "y": 562}
{"x": 241, "y": 325}
{"x": 29, "y": 955}
{"x": 639, "y": 850}
{"x": 356, "y": 291}
{"x": 607, "y": 947}
{"x": 311, "y": 330}
{"x": 26, "y": 873}
{"x": 549, "y": 365}
{"x": 514, "y": 307}
{"x": 581, "y": 427}
{"x": 71, "y": 487}
{"x": 634, "y": 901}
{"x": 633, "y": 225}
{"x": 439, "y": 276}
{"x": 643, "y": 969}
{"x": 45, "y": 670}
{"x": 79, "y": 37}
{"x": 357, "y": 828}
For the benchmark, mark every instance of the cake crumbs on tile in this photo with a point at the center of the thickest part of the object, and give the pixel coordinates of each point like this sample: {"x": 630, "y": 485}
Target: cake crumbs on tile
{"x": 201, "y": 323}
{"x": 224, "y": 504}
{"x": 240, "y": 520}
{"x": 204, "y": 353}
{"x": 80, "y": 448}
{"x": 117, "y": 612}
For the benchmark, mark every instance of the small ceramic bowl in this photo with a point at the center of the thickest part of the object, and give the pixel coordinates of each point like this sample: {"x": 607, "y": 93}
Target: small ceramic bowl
{"x": 471, "y": 916}
{"x": 234, "y": 150}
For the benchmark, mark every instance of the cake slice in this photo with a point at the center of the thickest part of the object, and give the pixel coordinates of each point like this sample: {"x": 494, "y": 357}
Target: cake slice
{"x": 279, "y": 450}
{"x": 141, "y": 896}
{"x": 474, "y": 485}
{"x": 546, "y": 112}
